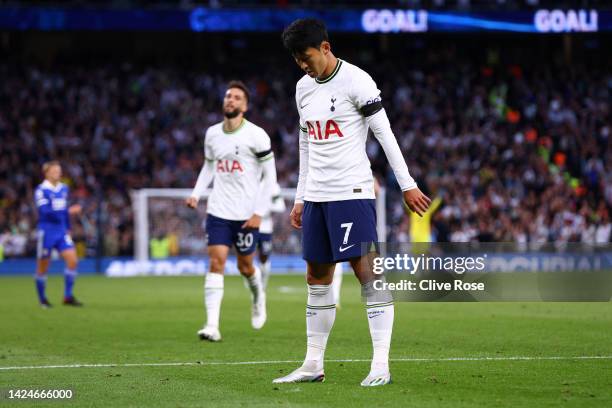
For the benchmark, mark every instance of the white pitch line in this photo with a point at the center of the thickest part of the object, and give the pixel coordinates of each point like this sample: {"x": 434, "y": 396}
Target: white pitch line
{"x": 229, "y": 363}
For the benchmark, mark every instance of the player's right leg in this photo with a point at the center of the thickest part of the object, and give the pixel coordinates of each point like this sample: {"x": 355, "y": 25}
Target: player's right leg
{"x": 213, "y": 292}
{"x": 245, "y": 242}
{"x": 320, "y": 316}
{"x": 320, "y": 307}
{"x": 219, "y": 233}
{"x": 43, "y": 252}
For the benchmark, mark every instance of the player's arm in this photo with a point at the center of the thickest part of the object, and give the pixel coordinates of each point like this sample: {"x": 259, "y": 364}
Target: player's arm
{"x": 435, "y": 204}
{"x": 379, "y": 123}
{"x": 45, "y": 210}
{"x": 204, "y": 178}
{"x": 265, "y": 157}
{"x": 278, "y": 204}
{"x": 366, "y": 98}
{"x": 66, "y": 215}
{"x": 74, "y": 209}
{"x": 298, "y": 205}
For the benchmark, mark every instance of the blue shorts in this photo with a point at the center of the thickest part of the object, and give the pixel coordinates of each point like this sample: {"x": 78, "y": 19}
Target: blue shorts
{"x": 337, "y": 231}
{"x": 264, "y": 244}
{"x": 220, "y": 231}
{"x": 49, "y": 240}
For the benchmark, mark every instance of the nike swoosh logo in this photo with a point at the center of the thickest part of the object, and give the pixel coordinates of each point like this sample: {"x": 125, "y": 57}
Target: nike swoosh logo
{"x": 305, "y": 105}
{"x": 345, "y": 248}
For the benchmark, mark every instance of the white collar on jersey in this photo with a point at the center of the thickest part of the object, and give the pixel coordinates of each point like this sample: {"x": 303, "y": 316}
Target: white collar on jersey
{"x": 47, "y": 184}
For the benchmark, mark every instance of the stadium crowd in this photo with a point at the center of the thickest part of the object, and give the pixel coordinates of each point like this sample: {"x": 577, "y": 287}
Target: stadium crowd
{"x": 516, "y": 153}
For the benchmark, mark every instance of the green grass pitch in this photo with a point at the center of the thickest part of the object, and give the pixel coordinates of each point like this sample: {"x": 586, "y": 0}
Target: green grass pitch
{"x": 154, "y": 320}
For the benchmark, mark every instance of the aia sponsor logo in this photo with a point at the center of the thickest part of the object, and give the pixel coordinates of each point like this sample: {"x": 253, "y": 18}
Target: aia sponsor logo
{"x": 322, "y": 131}
{"x": 229, "y": 166}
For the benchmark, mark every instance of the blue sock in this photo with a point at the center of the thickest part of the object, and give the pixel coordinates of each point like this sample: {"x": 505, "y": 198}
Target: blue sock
{"x": 69, "y": 277}
{"x": 41, "y": 284}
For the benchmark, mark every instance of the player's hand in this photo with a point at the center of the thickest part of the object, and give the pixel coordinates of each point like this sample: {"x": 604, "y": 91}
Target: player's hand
{"x": 254, "y": 222}
{"x": 75, "y": 209}
{"x": 296, "y": 215}
{"x": 192, "y": 202}
{"x": 416, "y": 201}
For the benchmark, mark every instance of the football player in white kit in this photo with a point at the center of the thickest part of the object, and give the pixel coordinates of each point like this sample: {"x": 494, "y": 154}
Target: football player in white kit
{"x": 264, "y": 244}
{"x": 337, "y": 104}
{"x": 239, "y": 158}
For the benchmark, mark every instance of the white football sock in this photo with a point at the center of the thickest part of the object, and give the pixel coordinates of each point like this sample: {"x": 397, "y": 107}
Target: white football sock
{"x": 380, "y": 312}
{"x": 265, "y": 272}
{"x": 320, "y": 316}
{"x": 213, "y": 294}
{"x": 255, "y": 284}
{"x": 337, "y": 282}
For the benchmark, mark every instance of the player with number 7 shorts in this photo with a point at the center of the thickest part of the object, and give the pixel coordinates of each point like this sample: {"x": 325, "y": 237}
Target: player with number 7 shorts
{"x": 338, "y": 103}
{"x": 240, "y": 162}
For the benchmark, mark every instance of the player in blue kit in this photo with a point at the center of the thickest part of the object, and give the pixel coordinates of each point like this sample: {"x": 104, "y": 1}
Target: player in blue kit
{"x": 51, "y": 198}
{"x": 338, "y": 104}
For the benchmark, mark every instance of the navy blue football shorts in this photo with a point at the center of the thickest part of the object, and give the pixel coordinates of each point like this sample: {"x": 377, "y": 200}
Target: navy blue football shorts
{"x": 264, "y": 244}
{"x": 337, "y": 231}
{"x": 220, "y": 231}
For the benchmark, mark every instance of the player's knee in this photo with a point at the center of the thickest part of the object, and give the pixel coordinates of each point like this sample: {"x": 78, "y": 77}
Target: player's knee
{"x": 41, "y": 267}
{"x": 217, "y": 264}
{"x": 245, "y": 266}
{"x": 319, "y": 278}
{"x": 320, "y": 273}
{"x": 72, "y": 263}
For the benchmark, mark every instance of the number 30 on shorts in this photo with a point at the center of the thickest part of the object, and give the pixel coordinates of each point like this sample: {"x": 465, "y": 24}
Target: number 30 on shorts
{"x": 244, "y": 240}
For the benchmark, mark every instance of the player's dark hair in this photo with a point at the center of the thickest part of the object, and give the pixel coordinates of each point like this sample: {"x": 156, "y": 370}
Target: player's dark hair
{"x": 47, "y": 165}
{"x": 240, "y": 85}
{"x": 304, "y": 33}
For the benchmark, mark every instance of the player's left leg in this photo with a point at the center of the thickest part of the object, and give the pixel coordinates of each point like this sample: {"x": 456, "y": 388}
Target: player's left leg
{"x": 70, "y": 274}
{"x": 264, "y": 249}
{"x": 337, "y": 283}
{"x": 246, "y": 242}
{"x": 68, "y": 253}
{"x": 381, "y": 314}
{"x": 352, "y": 224}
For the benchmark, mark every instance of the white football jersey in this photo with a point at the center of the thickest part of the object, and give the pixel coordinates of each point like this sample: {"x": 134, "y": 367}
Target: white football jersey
{"x": 278, "y": 206}
{"x": 237, "y": 171}
{"x": 336, "y": 131}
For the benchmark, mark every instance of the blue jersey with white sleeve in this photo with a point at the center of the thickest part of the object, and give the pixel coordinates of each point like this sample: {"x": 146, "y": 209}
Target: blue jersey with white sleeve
{"x": 53, "y": 218}
{"x": 52, "y": 204}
